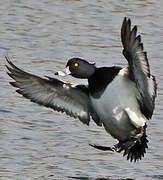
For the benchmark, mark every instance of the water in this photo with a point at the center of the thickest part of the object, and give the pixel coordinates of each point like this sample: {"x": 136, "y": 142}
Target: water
{"x": 39, "y": 36}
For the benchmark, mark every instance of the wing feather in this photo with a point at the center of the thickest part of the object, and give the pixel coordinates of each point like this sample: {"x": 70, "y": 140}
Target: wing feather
{"x": 139, "y": 67}
{"x": 53, "y": 93}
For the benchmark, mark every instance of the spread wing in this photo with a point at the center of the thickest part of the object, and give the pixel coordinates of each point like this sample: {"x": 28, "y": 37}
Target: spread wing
{"x": 139, "y": 67}
{"x": 53, "y": 93}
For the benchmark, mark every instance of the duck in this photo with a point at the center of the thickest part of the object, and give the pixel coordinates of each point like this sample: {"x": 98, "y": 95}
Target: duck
{"x": 120, "y": 99}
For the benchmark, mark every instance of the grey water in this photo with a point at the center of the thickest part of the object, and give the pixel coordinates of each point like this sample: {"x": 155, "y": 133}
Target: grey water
{"x": 39, "y": 36}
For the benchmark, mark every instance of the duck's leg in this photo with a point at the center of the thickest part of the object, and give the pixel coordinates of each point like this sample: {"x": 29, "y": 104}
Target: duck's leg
{"x": 103, "y": 148}
{"x": 115, "y": 148}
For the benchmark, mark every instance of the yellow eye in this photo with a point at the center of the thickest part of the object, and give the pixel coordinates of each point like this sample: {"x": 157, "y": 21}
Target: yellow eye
{"x": 76, "y": 64}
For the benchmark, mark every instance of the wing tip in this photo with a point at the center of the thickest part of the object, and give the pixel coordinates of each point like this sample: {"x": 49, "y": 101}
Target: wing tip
{"x": 9, "y": 63}
{"x": 125, "y": 30}
{"x": 126, "y": 20}
{"x": 132, "y": 43}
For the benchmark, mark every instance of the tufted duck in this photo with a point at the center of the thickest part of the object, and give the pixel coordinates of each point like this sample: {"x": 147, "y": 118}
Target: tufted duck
{"x": 120, "y": 99}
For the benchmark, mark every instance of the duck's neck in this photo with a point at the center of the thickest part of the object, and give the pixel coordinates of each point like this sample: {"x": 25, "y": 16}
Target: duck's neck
{"x": 101, "y": 78}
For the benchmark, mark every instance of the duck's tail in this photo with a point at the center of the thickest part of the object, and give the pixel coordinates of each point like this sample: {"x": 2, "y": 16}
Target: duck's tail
{"x": 134, "y": 149}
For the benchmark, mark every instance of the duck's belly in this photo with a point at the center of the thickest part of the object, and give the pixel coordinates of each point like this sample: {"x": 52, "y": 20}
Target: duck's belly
{"x": 112, "y": 106}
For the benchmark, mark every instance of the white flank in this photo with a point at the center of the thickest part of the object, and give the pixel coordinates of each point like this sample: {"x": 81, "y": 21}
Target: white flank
{"x": 118, "y": 99}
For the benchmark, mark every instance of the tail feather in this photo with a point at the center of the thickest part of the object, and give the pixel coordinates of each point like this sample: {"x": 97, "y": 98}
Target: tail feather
{"x": 134, "y": 148}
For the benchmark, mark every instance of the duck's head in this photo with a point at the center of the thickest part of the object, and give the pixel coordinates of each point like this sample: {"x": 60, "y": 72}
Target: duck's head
{"x": 78, "y": 68}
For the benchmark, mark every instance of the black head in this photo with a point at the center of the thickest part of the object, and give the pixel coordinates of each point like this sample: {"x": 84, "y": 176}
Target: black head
{"x": 80, "y": 68}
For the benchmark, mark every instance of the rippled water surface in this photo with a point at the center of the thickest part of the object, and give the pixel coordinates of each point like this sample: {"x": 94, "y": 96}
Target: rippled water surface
{"x": 39, "y": 36}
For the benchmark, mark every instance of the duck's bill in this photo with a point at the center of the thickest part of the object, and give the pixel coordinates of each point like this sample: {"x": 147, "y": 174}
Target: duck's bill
{"x": 65, "y": 72}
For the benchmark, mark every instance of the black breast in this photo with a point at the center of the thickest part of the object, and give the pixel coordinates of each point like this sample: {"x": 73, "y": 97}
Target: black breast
{"x": 101, "y": 78}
